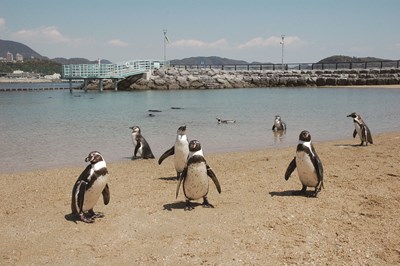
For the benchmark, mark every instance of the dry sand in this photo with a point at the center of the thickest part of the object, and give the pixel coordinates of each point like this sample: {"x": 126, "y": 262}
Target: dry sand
{"x": 256, "y": 220}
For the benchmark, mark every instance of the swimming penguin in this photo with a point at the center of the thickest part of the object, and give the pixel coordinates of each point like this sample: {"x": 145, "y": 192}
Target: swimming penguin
{"x": 361, "y": 129}
{"x": 180, "y": 150}
{"x": 225, "y": 121}
{"x": 309, "y": 166}
{"x": 142, "y": 148}
{"x": 195, "y": 177}
{"x": 92, "y": 182}
{"x": 278, "y": 124}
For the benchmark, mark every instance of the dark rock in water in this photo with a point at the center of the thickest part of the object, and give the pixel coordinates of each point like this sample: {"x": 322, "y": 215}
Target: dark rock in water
{"x": 176, "y": 108}
{"x": 155, "y": 111}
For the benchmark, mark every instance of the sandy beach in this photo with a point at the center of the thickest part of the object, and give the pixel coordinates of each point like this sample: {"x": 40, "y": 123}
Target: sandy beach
{"x": 257, "y": 220}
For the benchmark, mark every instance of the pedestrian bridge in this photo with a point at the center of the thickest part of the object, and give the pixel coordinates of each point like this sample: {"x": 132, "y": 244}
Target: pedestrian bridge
{"x": 116, "y": 71}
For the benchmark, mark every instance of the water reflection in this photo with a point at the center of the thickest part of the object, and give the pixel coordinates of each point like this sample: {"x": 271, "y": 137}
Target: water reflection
{"x": 279, "y": 136}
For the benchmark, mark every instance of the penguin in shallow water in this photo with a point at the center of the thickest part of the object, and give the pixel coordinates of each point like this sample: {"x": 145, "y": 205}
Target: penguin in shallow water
{"x": 309, "y": 166}
{"x": 195, "y": 177}
{"x": 92, "y": 182}
{"x": 142, "y": 148}
{"x": 225, "y": 121}
{"x": 361, "y": 129}
{"x": 279, "y": 125}
{"x": 180, "y": 150}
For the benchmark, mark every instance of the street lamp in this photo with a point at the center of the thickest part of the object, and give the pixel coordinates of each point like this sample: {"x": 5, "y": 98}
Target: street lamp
{"x": 165, "y": 46}
{"x": 283, "y": 44}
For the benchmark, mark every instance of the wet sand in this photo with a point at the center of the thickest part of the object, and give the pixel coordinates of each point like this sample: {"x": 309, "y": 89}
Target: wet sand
{"x": 257, "y": 219}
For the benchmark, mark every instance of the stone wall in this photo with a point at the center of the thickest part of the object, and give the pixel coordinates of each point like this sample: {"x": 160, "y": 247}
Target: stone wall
{"x": 176, "y": 79}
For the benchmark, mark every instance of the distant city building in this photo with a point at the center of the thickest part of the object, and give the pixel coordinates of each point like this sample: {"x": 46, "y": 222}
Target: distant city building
{"x": 19, "y": 57}
{"x": 10, "y": 57}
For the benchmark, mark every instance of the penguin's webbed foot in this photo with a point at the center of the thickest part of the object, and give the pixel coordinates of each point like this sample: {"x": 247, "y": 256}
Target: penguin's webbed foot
{"x": 85, "y": 219}
{"x": 206, "y": 204}
{"x": 94, "y": 215}
{"x": 188, "y": 206}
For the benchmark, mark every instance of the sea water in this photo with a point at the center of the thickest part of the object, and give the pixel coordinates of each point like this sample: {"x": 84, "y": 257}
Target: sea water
{"x": 48, "y": 129}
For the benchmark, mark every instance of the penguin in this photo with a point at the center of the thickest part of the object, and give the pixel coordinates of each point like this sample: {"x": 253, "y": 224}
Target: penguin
{"x": 278, "y": 124}
{"x": 309, "y": 166}
{"x": 180, "y": 150}
{"x": 92, "y": 182}
{"x": 361, "y": 129}
{"x": 225, "y": 121}
{"x": 142, "y": 148}
{"x": 195, "y": 177}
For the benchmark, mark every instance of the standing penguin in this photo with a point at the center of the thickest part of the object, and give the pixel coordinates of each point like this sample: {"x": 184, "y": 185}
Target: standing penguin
{"x": 309, "y": 166}
{"x": 195, "y": 177}
{"x": 180, "y": 150}
{"x": 140, "y": 144}
{"x": 361, "y": 129}
{"x": 92, "y": 182}
{"x": 279, "y": 125}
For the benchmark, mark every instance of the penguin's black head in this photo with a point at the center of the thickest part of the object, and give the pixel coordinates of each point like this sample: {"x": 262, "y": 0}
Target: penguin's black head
{"x": 353, "y": 115}
{"x": 135, "y": 129}
{"x": 182, "y": 130}
{"x": 194, "y": 145}
{"x": 305, "y": 136}
{"x": 94, "y": 157}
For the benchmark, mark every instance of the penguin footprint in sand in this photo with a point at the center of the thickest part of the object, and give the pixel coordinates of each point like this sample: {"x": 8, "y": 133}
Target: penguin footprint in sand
{"x": 195, "y": 177}
{"x": 92, "y": 182}
{"x": 309, "y": 166}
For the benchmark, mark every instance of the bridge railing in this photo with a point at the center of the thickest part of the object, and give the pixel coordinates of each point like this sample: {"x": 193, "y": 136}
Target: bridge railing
{"x": 296, "y": 66}
{"x": 110, "y": 71}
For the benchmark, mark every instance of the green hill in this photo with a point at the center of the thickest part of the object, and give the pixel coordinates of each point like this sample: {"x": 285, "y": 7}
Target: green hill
{"x": 348, "y": 59}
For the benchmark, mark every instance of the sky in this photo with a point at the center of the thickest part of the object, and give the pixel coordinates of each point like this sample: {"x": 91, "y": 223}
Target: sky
{"x": 250, "y": 30}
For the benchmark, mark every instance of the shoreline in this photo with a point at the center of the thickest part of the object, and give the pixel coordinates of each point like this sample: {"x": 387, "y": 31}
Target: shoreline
{"x": 212, "y": 153}
{"x": 256, "y": 218}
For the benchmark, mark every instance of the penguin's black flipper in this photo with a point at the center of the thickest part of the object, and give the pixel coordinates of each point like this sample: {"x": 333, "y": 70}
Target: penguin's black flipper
{"x": 166, "y": 154}
{"x": 182, "y": 177}
{"x": 213, "y": 177}
{"x": 354, "y": 133}
{"x": 369, "y": 136}
{"x": 106, "y": 195}
{"x": 81, "y": 195}
{"x": 273, "y": 127}
{"x": 138, "y": 145}
{"x": 318, "y": 167}
{"x": 290, "y": 169}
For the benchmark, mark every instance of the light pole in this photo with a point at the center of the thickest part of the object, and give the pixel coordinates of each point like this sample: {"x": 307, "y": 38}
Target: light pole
{"x": 165, "y": 46}
{"x": 283, "y": 44}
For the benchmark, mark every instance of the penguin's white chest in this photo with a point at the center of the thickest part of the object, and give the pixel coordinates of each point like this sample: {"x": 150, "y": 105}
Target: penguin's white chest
{"x": 358, "y": 129}
{"x": 306, "y": 170}
{"x": 94, "y": 192}
{"x": 180, "y": 155}
{"x": 135, "y": 143}
{"x": 195, "y": 185}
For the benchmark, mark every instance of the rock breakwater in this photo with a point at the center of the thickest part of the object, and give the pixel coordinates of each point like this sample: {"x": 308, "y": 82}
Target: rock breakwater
{"x": 177, "y": 79}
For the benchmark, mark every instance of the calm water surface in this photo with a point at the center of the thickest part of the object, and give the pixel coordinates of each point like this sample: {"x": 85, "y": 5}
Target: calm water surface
{"x": 46, "y": 129}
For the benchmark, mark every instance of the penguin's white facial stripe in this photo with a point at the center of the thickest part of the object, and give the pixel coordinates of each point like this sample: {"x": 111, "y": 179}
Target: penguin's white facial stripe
{"x": 99, "y": 165}
{"x": 199, "y": 152}
{"x": 307, "y": 144}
